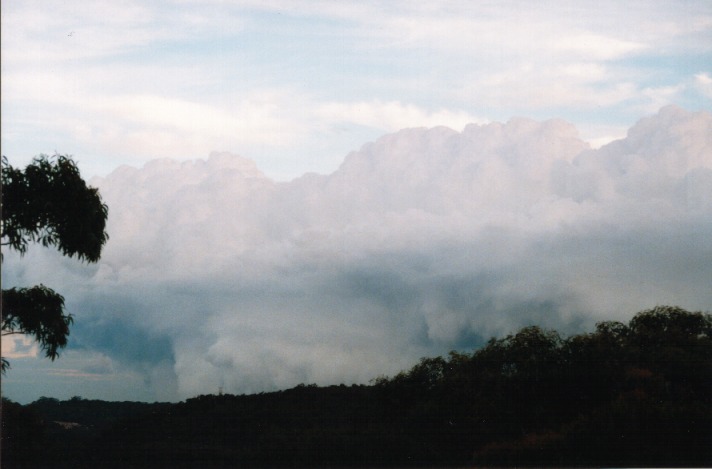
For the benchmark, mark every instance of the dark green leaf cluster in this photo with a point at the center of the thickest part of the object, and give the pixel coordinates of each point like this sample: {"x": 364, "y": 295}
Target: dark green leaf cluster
{"x": 51, "y": 204}
{"x": 39, "y": 312}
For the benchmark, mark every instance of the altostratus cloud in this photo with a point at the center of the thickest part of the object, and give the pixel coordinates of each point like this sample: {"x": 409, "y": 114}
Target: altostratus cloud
{"x": 422, "y": 241}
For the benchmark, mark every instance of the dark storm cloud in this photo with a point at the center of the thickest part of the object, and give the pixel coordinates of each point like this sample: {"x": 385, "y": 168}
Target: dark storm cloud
{"x": 122, "y": 340}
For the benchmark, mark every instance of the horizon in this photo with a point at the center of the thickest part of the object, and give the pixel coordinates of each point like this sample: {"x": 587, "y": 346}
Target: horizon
{"x": 220, "y": 392}
{"x": 322, "y": 192}
{"x": 216, "y": 276}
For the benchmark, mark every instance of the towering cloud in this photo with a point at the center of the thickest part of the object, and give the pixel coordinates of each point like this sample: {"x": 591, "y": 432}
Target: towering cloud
{"x": 422, "y": 241}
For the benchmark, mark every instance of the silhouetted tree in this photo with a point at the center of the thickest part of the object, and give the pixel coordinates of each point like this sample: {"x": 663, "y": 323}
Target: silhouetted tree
{"x": 48, "y": 203}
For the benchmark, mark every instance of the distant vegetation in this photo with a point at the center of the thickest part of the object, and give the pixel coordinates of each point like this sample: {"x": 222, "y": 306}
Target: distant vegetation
{"x": 625, "y": 395}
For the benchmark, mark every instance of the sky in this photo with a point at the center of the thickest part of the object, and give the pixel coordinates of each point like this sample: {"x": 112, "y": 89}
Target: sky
{"x": 327, "y": 191}
{"x": 296, "y": 85}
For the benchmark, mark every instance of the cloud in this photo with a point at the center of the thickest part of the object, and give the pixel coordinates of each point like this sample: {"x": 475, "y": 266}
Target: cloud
{"x": 296, "y": 85}
{"x": 598, "y": 46}
{"x": 703, "y": 82}
{"x": 71, "y": 373}
{"x": 53, "y": 33}
{"x": 392, "y": 115}
{"x": 423, "y": 241}
{"x": 19, "y": 347}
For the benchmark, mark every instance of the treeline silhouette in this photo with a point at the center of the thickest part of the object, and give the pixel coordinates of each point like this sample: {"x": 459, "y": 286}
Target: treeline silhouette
{"x": 636, "y": 394}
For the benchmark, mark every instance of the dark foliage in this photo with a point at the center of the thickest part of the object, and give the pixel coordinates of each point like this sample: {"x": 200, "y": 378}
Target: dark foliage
{"x": 627, "y": 395}
{"x": 48, "y": 203}
{"x": 23, "y": 434}
{"x": 39, "y": 312}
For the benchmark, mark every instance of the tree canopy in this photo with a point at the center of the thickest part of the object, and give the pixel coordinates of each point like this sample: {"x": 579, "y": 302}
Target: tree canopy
{"x": 48, "y": 203}
{"x": 623, "y": 395}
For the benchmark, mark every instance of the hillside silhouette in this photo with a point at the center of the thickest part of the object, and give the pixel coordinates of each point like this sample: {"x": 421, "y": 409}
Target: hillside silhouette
{"x": 625, "y": 394}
